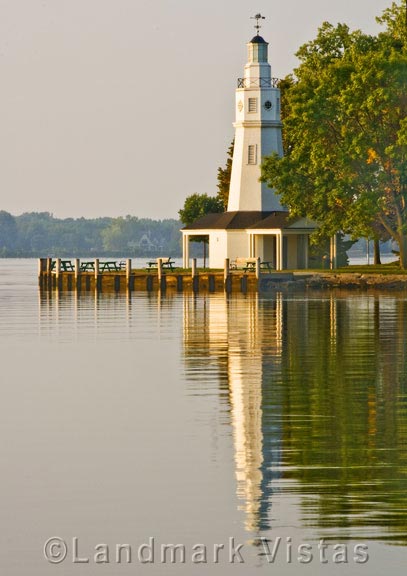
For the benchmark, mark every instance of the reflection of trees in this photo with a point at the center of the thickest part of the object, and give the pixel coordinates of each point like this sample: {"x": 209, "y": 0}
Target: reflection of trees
{"x": 317, "y": 391}
{"x": 349, "y": 452}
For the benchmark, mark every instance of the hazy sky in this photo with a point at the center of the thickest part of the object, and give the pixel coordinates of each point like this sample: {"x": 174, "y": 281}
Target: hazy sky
{"x": 115, "y": 107}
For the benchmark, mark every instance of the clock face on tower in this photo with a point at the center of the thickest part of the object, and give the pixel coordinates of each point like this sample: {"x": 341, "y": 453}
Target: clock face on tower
{"x": 268, "y": 105}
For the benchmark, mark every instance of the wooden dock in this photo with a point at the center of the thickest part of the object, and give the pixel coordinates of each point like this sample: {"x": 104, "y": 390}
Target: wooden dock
{"x": 72, "y": 275}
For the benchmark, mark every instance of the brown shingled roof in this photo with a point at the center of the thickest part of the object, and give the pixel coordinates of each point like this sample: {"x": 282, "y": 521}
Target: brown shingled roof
{"x": 240, "y": 220}
{"x": 277, "y": 220}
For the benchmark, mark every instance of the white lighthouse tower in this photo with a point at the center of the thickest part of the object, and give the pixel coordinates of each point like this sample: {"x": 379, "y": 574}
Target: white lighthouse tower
{"x": 257, "y": 131}
{"x": 255, "y": 224}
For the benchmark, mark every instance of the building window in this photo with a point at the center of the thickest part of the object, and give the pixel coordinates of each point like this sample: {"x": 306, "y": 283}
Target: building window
{"x": 278, "y": 105}
{"x": 252, "y": 104}
{"x": 252, "y": 154}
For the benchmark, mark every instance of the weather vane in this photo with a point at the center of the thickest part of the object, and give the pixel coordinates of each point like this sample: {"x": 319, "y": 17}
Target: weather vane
{"x": 258, "y": 17}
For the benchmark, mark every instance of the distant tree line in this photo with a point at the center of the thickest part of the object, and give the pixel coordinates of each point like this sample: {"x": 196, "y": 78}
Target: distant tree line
{"x": 41, "y": 234}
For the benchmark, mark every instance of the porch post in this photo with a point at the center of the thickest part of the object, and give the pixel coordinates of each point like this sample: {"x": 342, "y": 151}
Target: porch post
{"x": 306, "y": 251}
{"x": 279, "y": 238}
{"x": 251, "y": 245}
{"x": 185, "y": 250}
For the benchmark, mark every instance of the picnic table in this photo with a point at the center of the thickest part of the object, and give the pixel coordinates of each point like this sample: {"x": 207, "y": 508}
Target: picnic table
{"x": 66, "y": 265}
{"x": 109, "y": 266}
{"x": 85, "y": 266}
{"x": 105, "y": 266}
{"x": 167, "y": 263}
{"x": 249, "y": 265}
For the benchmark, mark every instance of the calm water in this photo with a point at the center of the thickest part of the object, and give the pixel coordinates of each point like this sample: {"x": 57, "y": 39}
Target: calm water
{"x": 194, "y": 420}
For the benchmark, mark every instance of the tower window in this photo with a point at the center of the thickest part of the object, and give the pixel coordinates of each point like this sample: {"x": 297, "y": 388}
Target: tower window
{"x": 252, "y": 104}
{"x": 252, "y": 154}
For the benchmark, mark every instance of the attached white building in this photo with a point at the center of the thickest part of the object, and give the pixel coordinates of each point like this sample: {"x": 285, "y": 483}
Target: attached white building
{"x": 255, "y": 224}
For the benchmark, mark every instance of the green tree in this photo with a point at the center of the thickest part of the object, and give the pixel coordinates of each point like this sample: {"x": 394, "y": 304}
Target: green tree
{"x": 345, "y": 132}
{"x": 224, "y": 175}
{"x": 196, "y": 206}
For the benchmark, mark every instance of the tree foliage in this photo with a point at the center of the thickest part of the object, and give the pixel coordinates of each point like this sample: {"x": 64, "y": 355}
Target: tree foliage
{"x": 224, "y": 175}
{"x": 345, "y": 132}
{"x": 196, "y": 206}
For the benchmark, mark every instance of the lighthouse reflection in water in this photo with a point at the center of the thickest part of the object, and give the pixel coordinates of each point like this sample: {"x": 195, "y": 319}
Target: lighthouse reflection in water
{"x": 315, "y": 392}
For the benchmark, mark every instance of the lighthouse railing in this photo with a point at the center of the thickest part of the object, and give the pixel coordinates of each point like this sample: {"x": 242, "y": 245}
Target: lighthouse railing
{"x": 258, "y": 82}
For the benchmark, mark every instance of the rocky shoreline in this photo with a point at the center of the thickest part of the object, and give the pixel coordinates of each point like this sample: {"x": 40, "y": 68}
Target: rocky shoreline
{"x": 353, "y": 280}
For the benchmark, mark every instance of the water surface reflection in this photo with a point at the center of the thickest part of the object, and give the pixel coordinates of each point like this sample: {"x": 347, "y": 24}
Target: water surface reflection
{"x": 317, "y": 394}
{"x": 194, "y": 419}
{"x": 314, "y": 390}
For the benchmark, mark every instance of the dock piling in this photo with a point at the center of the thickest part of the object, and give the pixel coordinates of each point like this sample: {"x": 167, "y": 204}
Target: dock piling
{"x": 49, "y": 275}
{"x": 159, "y": 268}
{"x": 97, "y": 275}
{"x": 243, "y": 284}
{"x": 58, "y": 278}
{"x": 257, "y": 268}
{"x": 195, "y": 277}
{"x": 226, "y": 276}
{"x": 77, "y": 274}
{"x": 162, "y": 281}
{"x": 128, "y": 274}
{"x": 42, "y": 269}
